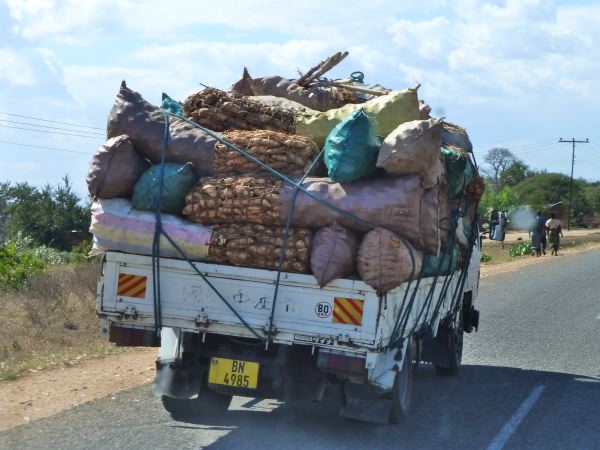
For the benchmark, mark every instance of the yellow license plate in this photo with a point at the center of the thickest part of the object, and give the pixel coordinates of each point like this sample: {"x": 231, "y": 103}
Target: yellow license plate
{"x": 231, "y": 372}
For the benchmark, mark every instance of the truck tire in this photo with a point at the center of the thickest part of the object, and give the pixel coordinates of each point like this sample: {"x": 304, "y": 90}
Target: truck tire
{"x": 452, "y": 340}
{"x": 208, "y": 403}
{"x": 402, "y": 390}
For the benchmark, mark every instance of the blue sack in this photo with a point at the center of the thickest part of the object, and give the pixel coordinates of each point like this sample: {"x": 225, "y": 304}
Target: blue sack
{"x": 458, "y": 170}
{"x": 171, "y": 105}
{"x": 178, "y": 181}
{"x": 442, "y": 265}
{"x": 351, "y": 148}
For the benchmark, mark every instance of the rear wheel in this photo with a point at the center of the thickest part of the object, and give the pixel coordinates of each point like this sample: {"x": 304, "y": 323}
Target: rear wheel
{"x": 402, "y": 390}
{"x": 207, "y": 403}
{"x": 452, "y": 340}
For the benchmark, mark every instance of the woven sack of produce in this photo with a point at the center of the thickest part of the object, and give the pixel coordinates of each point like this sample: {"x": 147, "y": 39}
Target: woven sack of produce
{"x": 388, "y": 111}
{"x": 391, "y": 202}
{"x": 456, "y": 136}
{"x": 458, "y": 170}
{"x": 413, "y": 147}
{"x": 219, "y": 111}
{"x": 252, "y": 245}
{"x": 351, "y": 148}
{"x": 116, "y": 226}
{"x": 289, "y": 154}
{"x": 171, "y": 105}
{"x": 114, "y": 169}
{"x": 441, "y": 265}
{"x": 333, "y": 253}
{"x": 177, "y": 180}
{"x": 145, "y": 125}
{"x": 384, "y": 261}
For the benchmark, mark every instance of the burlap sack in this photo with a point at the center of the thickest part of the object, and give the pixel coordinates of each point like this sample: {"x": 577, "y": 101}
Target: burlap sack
{"x": 456, "y": 136}
{"x": 144, "y": 124}
{"x": 317, "y": 97}
{"x": 251, "y": 245}
{"x": 333, "y": 253}
{"x": 413, "y": 148}
{"x": 384, "y": 262}
{"x": 396, "y": 203}
{"x": 114, "y": 169}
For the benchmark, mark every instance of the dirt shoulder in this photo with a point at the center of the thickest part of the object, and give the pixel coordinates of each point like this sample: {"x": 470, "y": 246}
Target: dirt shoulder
{"x": 43, "y": 394}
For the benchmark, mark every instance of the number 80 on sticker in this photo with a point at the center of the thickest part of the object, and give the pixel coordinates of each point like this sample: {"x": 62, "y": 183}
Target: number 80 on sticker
{"x": 323, "y": 310}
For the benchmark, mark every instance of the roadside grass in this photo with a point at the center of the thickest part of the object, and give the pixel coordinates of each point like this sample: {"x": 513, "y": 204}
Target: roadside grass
{"x": 495, "y": 254}
{"x": 51, "y": 322}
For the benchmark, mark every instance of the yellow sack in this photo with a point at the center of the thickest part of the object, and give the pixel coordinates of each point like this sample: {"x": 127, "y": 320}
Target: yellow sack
{"x": 388, "y": 111}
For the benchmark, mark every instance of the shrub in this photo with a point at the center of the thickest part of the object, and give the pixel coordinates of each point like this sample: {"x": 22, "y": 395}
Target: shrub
{"x": 17, "y": 267}
{"x": 521, "y": 249}
{"x": 485, "y": 257}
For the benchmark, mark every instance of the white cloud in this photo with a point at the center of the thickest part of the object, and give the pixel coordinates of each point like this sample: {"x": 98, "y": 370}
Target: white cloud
{"x": 15, "y": 69}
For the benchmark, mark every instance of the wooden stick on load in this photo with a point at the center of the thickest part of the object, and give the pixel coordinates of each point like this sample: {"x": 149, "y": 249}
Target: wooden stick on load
{"x": 324, "y": 66}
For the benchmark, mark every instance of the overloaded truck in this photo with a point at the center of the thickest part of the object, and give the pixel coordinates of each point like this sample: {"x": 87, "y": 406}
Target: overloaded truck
{"x": 322, "y": 252}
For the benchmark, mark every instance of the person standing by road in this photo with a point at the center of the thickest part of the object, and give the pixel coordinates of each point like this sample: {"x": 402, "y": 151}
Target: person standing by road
{"x": 554, "y": 233}
{"x": 542, "y": 231}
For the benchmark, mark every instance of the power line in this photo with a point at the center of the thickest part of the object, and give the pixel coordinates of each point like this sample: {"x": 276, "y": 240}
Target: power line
{"x": 51, "y": 121}
{"x": 52, "y": 128}
{"x": 45, "y": 148}
{"x": 51, "y": 132}
{"x": 573, "y": 141}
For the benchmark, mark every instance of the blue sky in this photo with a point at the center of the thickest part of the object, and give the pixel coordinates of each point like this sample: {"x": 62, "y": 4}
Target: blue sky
{"x": 518, "y": 74}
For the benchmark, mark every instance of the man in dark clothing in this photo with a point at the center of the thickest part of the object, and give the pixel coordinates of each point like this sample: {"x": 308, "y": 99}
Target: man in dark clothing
{"x": 542, "y": 231}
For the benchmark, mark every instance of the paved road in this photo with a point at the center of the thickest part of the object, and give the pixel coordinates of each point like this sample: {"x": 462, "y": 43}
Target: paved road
{"x": 531, "y": 379}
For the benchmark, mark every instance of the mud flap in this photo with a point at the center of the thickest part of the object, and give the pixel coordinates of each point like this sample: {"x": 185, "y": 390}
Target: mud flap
{"x": 173, "y": 380}
{"x": 366, "y": 403}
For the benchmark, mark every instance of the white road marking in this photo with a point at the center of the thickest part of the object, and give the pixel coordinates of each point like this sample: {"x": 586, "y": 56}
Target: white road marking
{"x": 513, "y": 423}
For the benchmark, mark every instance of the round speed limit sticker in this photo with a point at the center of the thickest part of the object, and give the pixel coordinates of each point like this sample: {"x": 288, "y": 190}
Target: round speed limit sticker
{"x": 323, "y": 310}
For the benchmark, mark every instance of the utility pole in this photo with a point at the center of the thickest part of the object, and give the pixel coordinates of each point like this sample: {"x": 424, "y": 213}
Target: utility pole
{"x": 573, "y": 141}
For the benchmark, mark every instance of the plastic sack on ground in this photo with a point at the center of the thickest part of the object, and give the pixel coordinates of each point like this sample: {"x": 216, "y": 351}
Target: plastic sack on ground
{"x": 413, "y": 147}
{"x": 145, "y": 124}
{"x": 441, "y": 265}
{"x": 458, "y": 170}
{"x": 116, "y": 226}
{"x": 114, "y": 169}
{"x": 178, "y": 180}
{"x": 384, "y": 261}
{"x": 333, "y": 253}
{"x": 388, "y": 111}
{"x": 171, "y": 105}
{"x": 351, "y": 149}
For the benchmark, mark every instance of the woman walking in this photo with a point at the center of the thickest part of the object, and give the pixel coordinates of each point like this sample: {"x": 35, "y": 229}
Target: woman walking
{"x": 554, "y": 233}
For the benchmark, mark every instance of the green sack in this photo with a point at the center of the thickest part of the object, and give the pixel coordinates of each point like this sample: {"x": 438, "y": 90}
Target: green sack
{"x": 178, "y": 181}
{"x": 388, "y": 111}
{"x": 351, "y": 148}
{"x": 458, "y": 170}
{"x": 442, "y": 265}
{"x": 171, "y": 105}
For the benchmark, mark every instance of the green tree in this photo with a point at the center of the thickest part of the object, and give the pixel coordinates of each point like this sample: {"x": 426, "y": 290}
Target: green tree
{"x": 505, "y": 200}
{"x": 47, "y": 215}
{"x": 515, "y": 173}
